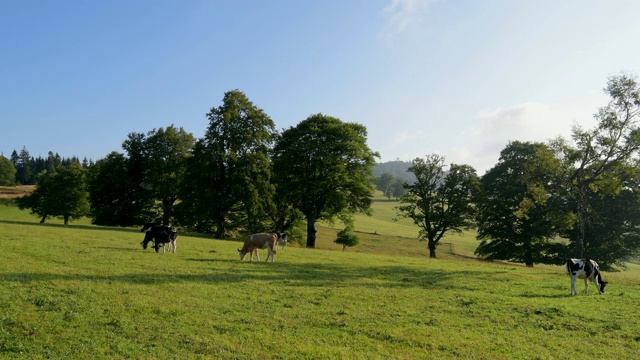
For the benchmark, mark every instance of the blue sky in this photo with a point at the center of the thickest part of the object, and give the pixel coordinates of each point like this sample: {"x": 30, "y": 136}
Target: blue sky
{"x": 453, "y": 77}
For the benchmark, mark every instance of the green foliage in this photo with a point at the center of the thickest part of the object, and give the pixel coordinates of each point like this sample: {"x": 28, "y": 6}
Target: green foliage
{"x": 614, "y": 142}
{"x": 521, "y": 210}
{"x": 322, "y": 167}
{"x": 347, "y": 238}
{"x": 166, "y": 152}
{"x": 60, "y": 194}
{"x": 233, "y": 162}
{"x": 116, "y": 191}
{"x": 439, "y": 201}
{"x": 7, "y": 172}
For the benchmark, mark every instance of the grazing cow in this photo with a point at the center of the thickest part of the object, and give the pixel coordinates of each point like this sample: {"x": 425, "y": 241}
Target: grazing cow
{"x": 160, "y": 236}
{"x": 260, "y": 241}
{"x": 585, "y": 269}
{"x": 282, "y": 241}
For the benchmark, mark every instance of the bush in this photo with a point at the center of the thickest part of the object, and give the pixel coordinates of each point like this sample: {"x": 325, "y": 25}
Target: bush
{"x": 347, "y": 238}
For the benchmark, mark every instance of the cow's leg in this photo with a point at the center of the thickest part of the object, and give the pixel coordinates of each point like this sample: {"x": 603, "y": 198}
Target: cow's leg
{"x": 586, "y": 285}
{"x": 271, "y": 253}
{"x": 174, "y": 245}
{"x": 573, "y": 285}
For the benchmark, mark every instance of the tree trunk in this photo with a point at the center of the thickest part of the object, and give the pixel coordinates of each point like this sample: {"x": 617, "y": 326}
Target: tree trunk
{"x": 432, "y": 249}
{"x": 220, "y": 229}
{"x": 311, "y": 232}
{"x": 66, "y": 220}
{"x": 579, "y": 250}
{"x": 44, "y": 218}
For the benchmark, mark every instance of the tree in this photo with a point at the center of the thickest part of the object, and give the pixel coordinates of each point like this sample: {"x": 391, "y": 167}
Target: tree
{"x": 61, "y": 194}
{"x": 7, "y": 172}
{"x": 398, "y": 188}
{"x": 347, "y": 238}
{"x": 115, "y": 192}
{"x": 166, "y": 151}
{"x": 323, "y": 168}
{"x": 384, "y": 183}
{"x": 232, "y": 162}
{"x": 24, "y": 168}
{"x": 440, "y": 201}
{"x": 614, "y": 141}
{"x": 522, "y": 208}
{"x": 612, "y": 232}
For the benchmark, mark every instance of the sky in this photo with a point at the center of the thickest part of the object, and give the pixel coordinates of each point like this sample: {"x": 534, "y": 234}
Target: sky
{"x": 459, "y": 78}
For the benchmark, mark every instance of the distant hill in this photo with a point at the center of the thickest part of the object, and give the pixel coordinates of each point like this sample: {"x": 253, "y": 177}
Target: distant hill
{"x": 396, "y": 168}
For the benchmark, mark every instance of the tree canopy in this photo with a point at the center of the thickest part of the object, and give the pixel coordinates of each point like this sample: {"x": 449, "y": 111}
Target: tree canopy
{"x": 441, "y": 200}
{"x": 323, "y": 168}
{"x": 521, "y": 209}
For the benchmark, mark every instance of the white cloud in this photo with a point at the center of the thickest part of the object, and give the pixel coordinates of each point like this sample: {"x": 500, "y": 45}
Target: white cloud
{"x": 402, "y": 15}
{"x": 523, "y": 122}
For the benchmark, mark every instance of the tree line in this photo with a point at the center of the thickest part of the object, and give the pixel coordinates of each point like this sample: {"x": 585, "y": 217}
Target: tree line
{"x": 541, "y": 203}
{"x": 23, "y": 169}
{"x": 242, "y": 176}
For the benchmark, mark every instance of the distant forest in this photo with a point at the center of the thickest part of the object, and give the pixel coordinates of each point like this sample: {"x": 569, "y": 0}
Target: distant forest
{"x": 399, "y": 169}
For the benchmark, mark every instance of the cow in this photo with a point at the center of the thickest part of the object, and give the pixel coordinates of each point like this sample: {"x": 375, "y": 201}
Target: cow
{"x": 254, "y": 242}
{"x": 160, "y": 236}
{"x": 585, "y": 269}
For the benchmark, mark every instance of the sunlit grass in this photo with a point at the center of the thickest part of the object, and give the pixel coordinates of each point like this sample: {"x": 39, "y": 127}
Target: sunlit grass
{"x": 80, "y": 291}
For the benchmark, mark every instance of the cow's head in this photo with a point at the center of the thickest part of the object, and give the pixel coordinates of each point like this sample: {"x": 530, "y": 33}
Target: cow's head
{"x": 601, "y": 282}
{"x": 147, "y": 226}
{"x": 282, "y": 239}
{"x": 242, "y": 254}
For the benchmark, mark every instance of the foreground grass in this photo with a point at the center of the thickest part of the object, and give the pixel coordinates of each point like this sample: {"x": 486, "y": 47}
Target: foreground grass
{"x": 80, "y": 291}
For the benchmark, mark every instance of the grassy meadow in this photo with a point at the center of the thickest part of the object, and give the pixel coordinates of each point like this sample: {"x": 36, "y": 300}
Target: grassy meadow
{"x": 81, "y": 291}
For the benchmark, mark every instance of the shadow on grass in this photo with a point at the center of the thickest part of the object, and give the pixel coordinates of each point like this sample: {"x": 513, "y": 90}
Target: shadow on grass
{"x": 70, "y": 226}
{"x": 294, "y": 275}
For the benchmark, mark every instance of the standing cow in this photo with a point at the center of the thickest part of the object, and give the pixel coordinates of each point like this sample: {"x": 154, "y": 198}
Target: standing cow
{"x": 254, "y": 242}
{"x": 585, "y": 269}
{"x": 160, "y": 236}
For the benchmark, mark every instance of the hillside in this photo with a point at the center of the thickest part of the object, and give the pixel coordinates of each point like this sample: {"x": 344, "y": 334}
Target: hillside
{"x": 396, "y": 168}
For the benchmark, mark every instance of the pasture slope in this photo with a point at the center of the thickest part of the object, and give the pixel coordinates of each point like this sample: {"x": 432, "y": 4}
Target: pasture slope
{"x": 87, "y": 292}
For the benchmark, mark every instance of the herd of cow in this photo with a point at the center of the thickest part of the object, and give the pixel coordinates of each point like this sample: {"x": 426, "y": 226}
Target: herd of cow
{"x": 165, "y": 236}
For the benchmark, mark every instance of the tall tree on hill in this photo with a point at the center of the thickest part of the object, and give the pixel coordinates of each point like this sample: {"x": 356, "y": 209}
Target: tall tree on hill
{"x": 232, "y": 162}
{"x": 441, "y": 200}
{"x": 323, "y": 168}
{"x": 522, "y": 207}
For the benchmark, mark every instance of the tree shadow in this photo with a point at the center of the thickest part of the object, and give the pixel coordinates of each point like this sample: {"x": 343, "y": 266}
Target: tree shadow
{"x": 71, "y": 226}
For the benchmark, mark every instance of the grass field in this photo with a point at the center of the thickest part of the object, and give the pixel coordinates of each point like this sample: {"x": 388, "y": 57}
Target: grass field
{"x": 80, "y": 291}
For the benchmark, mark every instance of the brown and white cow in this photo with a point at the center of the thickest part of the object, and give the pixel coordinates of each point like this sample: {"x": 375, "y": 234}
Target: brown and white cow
{"x": 585, "y": 269}
{"x": 254, "y": 242}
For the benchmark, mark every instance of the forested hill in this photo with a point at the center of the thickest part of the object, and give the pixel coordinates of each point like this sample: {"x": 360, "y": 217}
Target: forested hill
{"x": 396, "y": 168}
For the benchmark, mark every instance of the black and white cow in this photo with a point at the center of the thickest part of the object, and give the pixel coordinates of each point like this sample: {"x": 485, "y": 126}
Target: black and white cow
{"x": 585, "y": 269}
{"x": 160, "y": 236}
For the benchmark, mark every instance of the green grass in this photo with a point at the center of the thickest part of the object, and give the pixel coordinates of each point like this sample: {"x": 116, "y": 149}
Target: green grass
{"x": 81, "y": 291}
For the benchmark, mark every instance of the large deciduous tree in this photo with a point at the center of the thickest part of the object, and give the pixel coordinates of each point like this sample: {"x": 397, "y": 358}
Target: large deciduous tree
{"x": 522, "y": 209}
{"x": 116, "y": 193}
{"x": 232, "y": 163}
{"x": 323, "y": 168}
{"x": 166, "y": 151}
{"x": 614, "y": 141}
{"x": 440, "y": 200}
{"x": 59, "y": 194}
